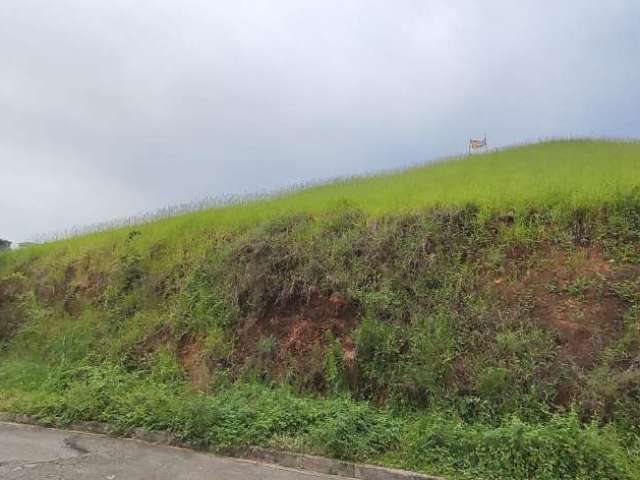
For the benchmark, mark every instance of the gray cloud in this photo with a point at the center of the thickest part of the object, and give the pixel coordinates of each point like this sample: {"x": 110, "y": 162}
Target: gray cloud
{"x": 113, "y": 108}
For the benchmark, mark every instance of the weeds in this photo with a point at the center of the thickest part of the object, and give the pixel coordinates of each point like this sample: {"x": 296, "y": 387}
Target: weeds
{"x": 397, "y": 325}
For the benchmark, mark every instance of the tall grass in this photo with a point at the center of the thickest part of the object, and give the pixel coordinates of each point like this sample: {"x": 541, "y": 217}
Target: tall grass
{"x": 446, "y": 378}
{"x": 557, "y": 173}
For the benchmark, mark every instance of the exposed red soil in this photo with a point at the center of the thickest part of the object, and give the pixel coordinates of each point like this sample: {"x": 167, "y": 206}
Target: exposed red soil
{"x": 300, "y": 331}
{"x": 570, "y": 294}
{"x": 188, "y": 349}
{"x": 194, "y": 362}
{"x": 565, "y": 292}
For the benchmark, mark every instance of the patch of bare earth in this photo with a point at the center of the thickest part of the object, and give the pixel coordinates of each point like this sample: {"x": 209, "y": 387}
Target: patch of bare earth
{"x": 193, "y": 361}
{"x": 300, "y": 333}
{"x": 189, "y": 351}
{"x": 570, "y": 294}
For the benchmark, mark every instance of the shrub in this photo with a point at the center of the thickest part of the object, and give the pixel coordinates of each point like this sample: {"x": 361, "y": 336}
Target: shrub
{"x": 561, "y": 449}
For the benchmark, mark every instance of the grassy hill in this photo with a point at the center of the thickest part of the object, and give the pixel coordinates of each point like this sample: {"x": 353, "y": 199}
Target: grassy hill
{"x": 478, "y": 317}
{"x": 556, "y": 175}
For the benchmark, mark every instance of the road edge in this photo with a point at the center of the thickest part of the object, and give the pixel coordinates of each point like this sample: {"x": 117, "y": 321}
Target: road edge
{"x": 300, "y": 461}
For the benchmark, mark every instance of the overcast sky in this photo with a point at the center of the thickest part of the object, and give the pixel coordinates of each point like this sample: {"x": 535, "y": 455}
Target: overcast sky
{"x": 111, "y": 108}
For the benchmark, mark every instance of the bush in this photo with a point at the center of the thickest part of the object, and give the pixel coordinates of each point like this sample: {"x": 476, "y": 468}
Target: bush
{"x": 562, "y": 448}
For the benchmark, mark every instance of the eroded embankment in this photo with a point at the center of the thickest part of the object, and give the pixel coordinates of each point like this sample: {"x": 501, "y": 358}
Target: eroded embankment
{"x": 482, "y": 315}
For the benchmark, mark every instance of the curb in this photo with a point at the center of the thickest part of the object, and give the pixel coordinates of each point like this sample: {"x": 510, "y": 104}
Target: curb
{"x": 300, "y": 461}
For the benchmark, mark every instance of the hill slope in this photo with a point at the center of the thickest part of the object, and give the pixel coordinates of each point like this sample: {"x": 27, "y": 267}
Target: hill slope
{"x": 468, "y": 318}
{"x": 554, "y": 174}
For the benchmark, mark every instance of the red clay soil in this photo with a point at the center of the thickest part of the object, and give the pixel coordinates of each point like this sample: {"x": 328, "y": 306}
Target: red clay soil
{"x": 566, "y": 292}
{"x": 300, "y": 330}
{"x": 194, "y": 362}
{"x": 571, "y": 296}
{"x": 189, "y": 351}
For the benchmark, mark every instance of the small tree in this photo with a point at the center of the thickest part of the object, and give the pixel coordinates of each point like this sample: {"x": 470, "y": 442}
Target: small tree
{"x": 5, "y": 244}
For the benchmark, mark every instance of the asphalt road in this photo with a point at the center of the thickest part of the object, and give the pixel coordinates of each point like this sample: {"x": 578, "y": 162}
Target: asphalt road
{"x": 36, "y": 453}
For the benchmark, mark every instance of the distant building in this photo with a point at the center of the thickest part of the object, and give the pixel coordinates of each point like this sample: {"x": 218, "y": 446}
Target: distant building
{"x": 5, "y": 244}
{"x": 26, "y": 244}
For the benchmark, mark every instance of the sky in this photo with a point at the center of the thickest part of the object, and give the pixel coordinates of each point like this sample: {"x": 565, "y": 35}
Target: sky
{"x": 114, "y": 108}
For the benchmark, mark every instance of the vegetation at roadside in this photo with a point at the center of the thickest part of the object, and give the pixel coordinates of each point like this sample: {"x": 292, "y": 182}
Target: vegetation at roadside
{"x": 477, "y": 318}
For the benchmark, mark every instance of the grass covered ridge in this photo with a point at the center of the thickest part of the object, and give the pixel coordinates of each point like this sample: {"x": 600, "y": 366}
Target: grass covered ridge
{"x": 478, "y": 318}
{"x": 555, "y": 174}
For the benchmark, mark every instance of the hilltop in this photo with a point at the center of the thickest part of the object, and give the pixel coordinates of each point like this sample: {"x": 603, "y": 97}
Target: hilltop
{"x": 553, "y": 174}
{"x": 477, "y": 317}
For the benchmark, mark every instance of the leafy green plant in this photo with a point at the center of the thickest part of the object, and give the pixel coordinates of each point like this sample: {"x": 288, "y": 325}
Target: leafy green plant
{"x": 334, "y": 366}
{"x": 578, "y": 287}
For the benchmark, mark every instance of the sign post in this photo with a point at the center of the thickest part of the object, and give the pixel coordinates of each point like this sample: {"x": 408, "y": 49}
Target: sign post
{"x": 475, "y": 144}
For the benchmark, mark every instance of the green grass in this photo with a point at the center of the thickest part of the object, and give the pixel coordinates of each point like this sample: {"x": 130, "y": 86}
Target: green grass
{"x": 557, "y": 174}
{"x": 451, "y": 374}
{"x": 243, "y": 415}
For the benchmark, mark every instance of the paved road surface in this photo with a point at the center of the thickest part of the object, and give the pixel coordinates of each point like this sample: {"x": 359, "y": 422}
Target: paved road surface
{"x": 36, "y": 453}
